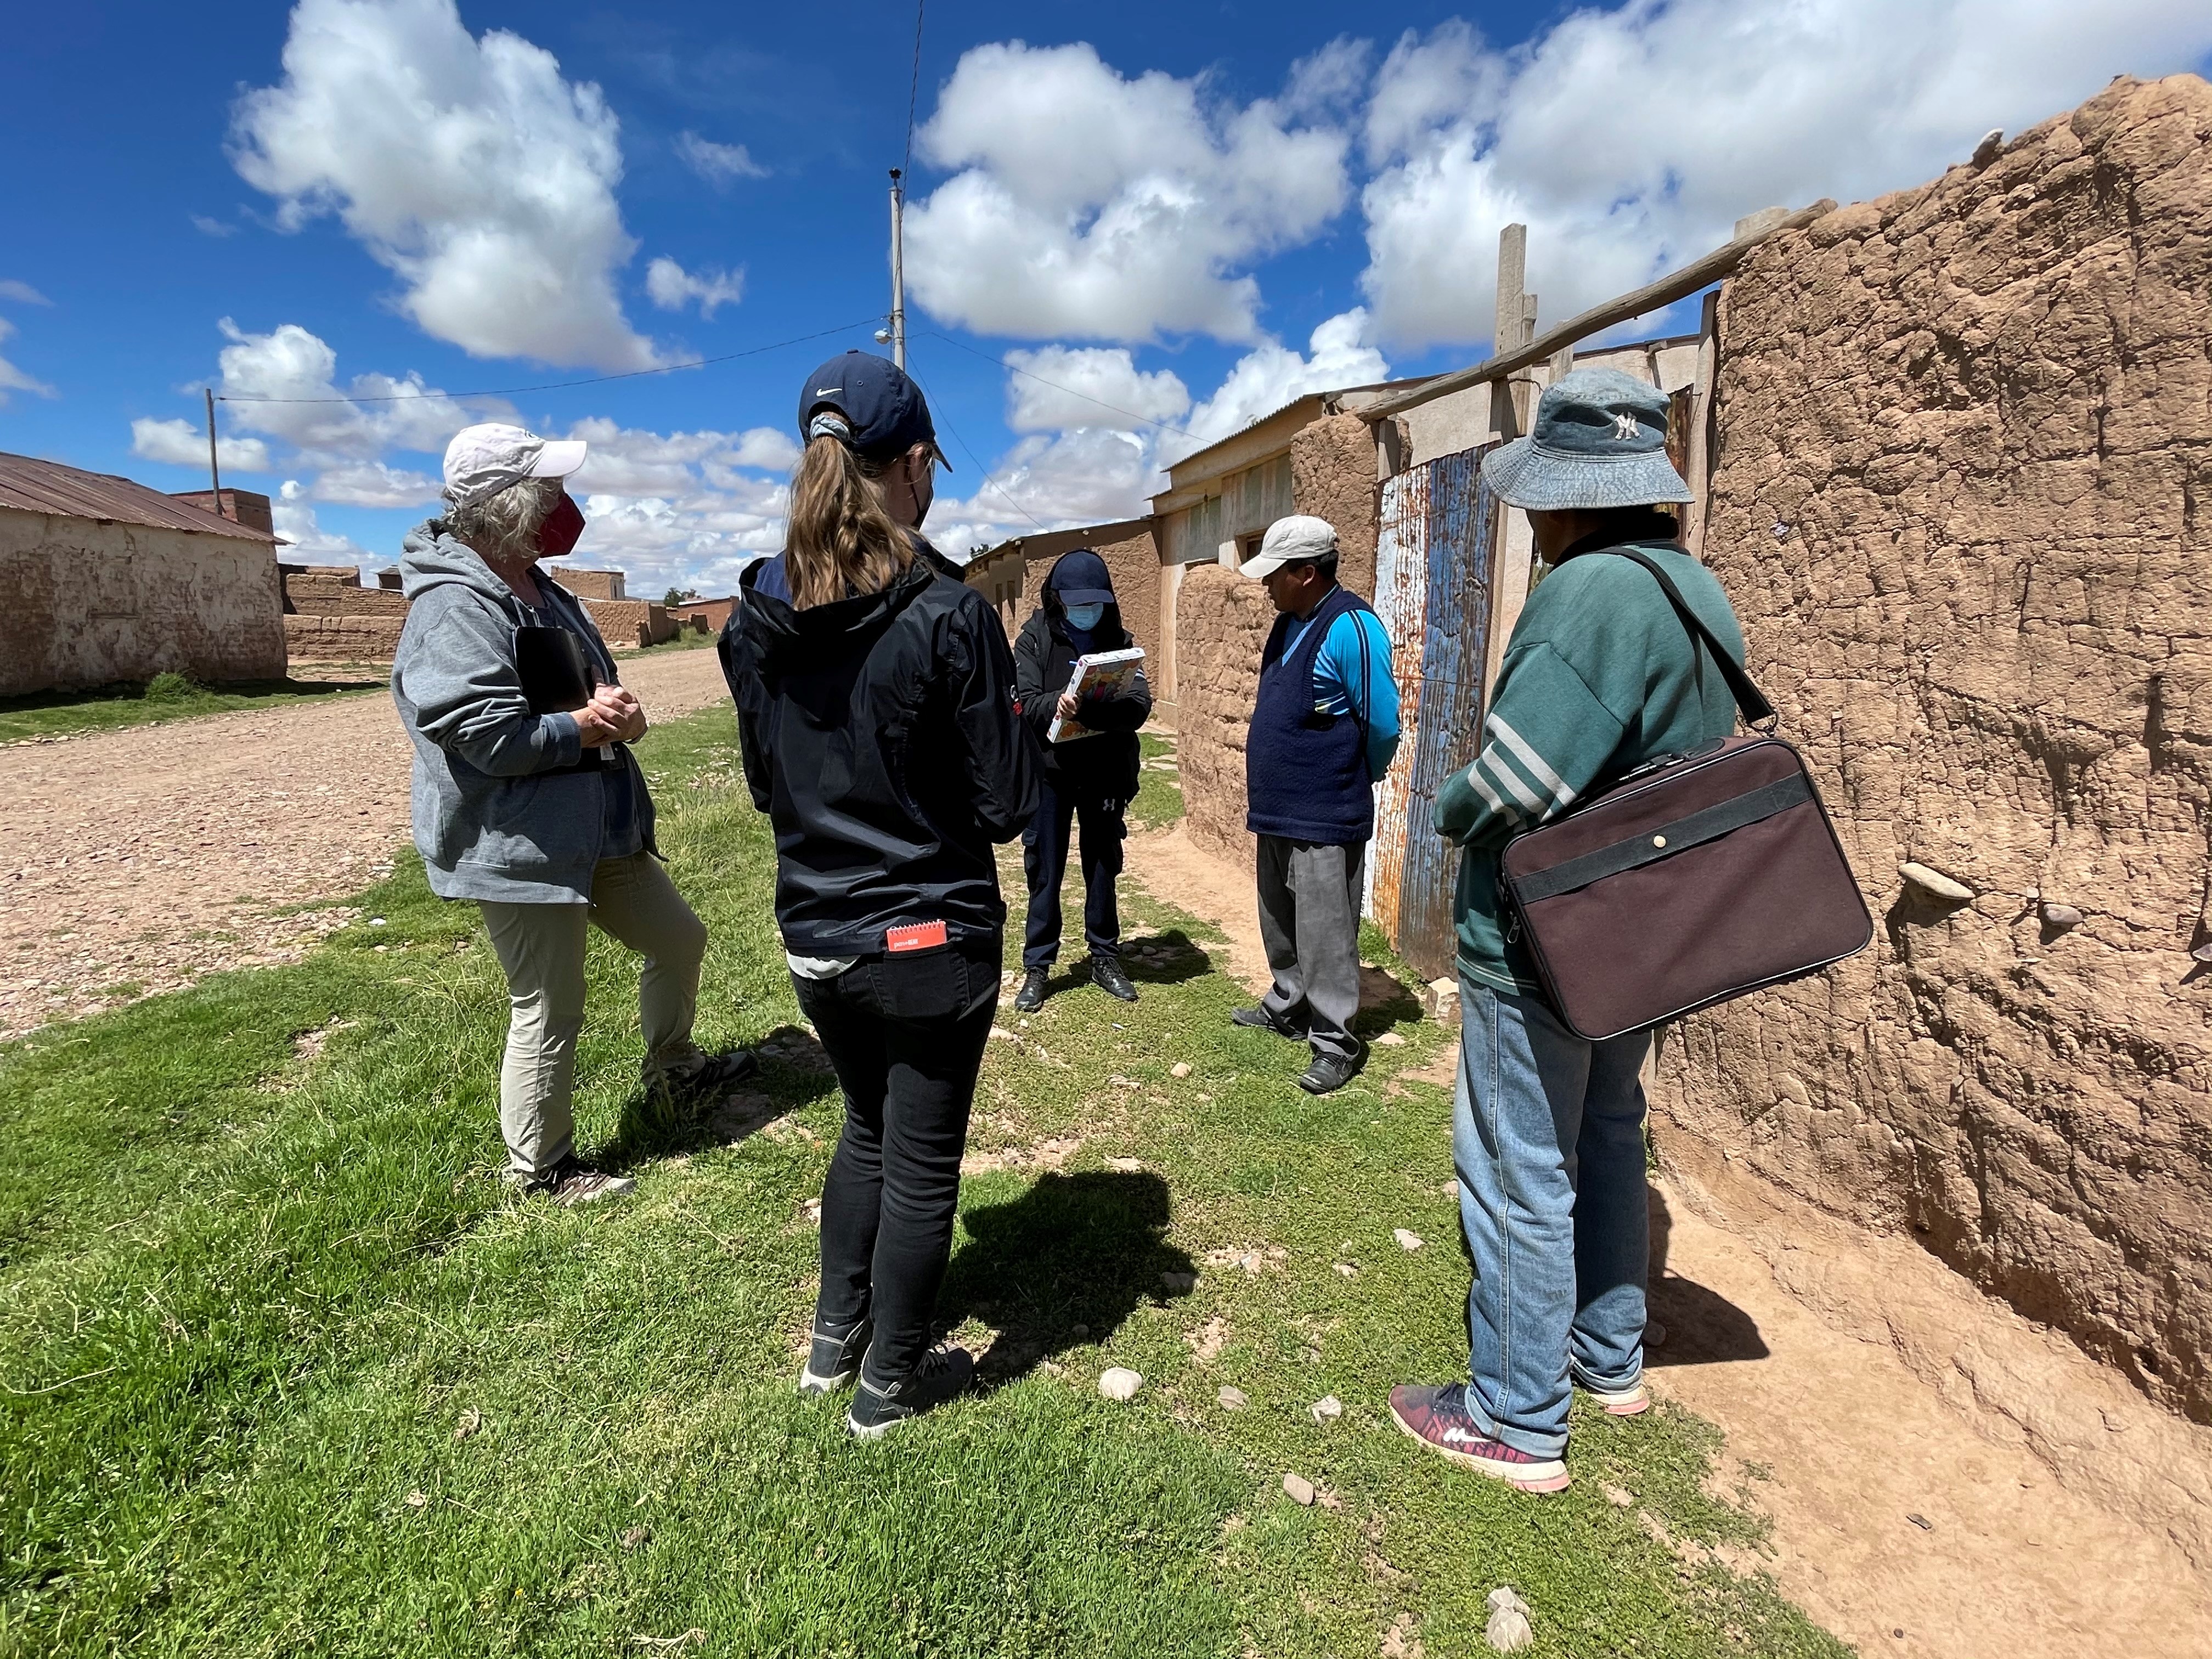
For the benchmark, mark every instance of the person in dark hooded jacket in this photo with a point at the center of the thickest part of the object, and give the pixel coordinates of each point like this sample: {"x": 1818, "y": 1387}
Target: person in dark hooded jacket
{"x": 1089, "y": 781}
{"x": 875, "y": 716}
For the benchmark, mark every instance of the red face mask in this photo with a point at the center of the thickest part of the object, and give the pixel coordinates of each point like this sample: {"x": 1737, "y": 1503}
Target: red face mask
{"x": 563, "y": 527}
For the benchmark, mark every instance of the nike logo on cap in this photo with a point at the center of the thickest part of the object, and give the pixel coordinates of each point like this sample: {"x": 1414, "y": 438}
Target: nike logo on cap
{"x": 825, "y": 391}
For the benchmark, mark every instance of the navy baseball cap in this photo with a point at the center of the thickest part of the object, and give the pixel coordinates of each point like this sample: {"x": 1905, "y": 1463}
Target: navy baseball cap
{"x": 879, "y": 401}
{"x": 1081, "y": 578}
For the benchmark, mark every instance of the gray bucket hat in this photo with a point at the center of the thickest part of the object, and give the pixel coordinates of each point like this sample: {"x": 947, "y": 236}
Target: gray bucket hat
{"x": 1600, "y": 441}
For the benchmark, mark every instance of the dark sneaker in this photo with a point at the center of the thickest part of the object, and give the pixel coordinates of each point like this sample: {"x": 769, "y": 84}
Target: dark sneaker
{"x": 1327, "y": 1073}
{"x": 834, "y": 1360}
{"x": 573, "y": 1182}
{"x": 1438, "y": 1418}
{"x": 1031, "y": 997}
{"x": 711, "y": 1079}
{"x": 944, "y": 1373}
{"x": 1109, "y": 976}
{"x": 1263, "y": 1018}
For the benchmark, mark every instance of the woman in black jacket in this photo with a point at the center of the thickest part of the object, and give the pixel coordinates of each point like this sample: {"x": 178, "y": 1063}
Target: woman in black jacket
{"x": 875, "y": 716}
{"x": 1090, "y": 780}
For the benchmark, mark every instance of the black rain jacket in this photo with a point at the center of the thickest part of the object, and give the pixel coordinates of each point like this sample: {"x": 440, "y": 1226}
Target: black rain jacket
{"x": 1102, "y": 768}
{"x": 879, "y": 735}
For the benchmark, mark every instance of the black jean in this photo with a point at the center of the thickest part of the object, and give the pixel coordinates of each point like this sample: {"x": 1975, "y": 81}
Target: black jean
{"x": 1044, "y": 855}
{"x": 906, "y": 1034}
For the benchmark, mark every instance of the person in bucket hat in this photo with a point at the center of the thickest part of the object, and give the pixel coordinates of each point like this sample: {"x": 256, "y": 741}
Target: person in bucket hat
{"x": 1599, "y": 678}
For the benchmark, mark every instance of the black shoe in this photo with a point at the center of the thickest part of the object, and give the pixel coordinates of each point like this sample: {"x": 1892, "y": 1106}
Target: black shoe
{"x": 1329, "y": 1073}
{"x": 832, "y": 1360}
{"x": 944, "y": 1373}
{"x": 1031, "y": 997}
{"x": 709, "y": 1083}
{"x": 1263, "y": 1018}
{"x": 1109, "y": 976}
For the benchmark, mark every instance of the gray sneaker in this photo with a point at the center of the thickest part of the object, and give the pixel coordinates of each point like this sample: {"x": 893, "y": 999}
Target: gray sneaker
{"x": 832, "y": 1360}
{"x": 877, "y": 1408}
{"x": 573, "y": 1182}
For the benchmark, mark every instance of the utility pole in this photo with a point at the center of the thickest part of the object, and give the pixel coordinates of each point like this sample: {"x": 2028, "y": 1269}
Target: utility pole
{"x": 214, "y": 472}
{"x": 1515, "y": 327}
{"x": 898, "y": 267}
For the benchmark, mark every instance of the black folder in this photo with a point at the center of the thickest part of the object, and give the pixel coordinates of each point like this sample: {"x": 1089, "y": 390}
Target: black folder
{"x": 556, "y": 676}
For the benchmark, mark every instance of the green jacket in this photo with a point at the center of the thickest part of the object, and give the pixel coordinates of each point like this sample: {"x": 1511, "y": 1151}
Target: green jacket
{"x": 1599, "y": 678}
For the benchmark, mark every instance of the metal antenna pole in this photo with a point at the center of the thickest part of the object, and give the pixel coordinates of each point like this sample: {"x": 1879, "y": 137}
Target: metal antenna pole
{"x": 214, "y": 472}
{"x": 898, "y": 268}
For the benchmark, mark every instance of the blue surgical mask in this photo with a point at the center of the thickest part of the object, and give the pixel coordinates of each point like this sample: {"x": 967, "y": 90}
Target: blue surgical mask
{"x": 1084, "y": 618}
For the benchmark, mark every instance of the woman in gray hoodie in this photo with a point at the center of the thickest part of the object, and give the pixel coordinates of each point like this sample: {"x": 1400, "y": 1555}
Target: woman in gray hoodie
{"x": 526, "y": 798}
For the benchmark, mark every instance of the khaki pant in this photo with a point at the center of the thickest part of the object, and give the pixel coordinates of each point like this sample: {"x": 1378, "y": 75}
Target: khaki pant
{"x": 541, "y": 946}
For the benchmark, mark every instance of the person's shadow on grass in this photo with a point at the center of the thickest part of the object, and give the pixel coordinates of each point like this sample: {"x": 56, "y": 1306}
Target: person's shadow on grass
{"x": 794, "y": 1071}
{"x": 1167, "y": 959}
{"x": 1063, "y": 1264}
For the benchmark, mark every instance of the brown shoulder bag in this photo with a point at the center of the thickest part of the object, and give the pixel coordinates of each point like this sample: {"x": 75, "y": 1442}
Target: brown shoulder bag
{"x": 1696, "y": 879}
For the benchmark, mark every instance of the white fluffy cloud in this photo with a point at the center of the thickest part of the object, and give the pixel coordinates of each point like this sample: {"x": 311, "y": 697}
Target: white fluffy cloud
{"x": 310, "y": 542}
{"x": 672, "y": 287}
{"x": 469, "y": 168}
{"x": 718, "y": 164}
{"x": 22, "y": 293}
{"x": 286, "y": 385}
{"x": 13, "y": 378}
{"x": 180, "y": 443}
{"x": 1060, "y": 386}
{"x": 1272, "y": 374}
{"x": 1631, "y": 140}
{"x": 1089, "y": 205}
{"x": 373, "y": 484}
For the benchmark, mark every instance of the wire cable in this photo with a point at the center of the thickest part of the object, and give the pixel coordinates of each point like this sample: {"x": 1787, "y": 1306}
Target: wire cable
{"x": 938, "y": 415}
{"x": 558, "y": 386}
{"x": 1016, "y": 368}
{"x": 913, "y": 90}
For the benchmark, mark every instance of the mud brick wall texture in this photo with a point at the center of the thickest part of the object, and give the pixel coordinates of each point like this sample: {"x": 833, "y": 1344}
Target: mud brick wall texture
{"x": 343, "y": 638}
{"x": 1964, "y": 455}
{"x": 1332, "y": 477}
{"x": 1222, "y": 621}
{"x": 630, "y": 621}
{"x": 1134, "y": 564}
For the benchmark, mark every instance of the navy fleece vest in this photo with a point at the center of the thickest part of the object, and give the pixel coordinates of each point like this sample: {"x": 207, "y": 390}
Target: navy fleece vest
{"x": 1305, "y": 775}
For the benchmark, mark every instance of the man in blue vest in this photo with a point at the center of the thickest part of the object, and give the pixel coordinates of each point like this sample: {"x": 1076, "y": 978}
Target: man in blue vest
{"x": 1323, "y": 730}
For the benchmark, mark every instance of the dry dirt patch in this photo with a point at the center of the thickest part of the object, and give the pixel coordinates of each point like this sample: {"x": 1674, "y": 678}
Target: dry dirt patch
{"x": 139, "y": 860}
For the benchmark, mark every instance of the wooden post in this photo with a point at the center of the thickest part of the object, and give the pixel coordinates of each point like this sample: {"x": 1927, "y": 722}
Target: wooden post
{"x": 1699, "y": 475}
{"x": 214, "y": 472}
{"x": 1515, "y": 326}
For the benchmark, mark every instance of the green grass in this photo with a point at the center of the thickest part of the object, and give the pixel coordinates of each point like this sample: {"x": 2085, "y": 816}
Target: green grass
{"x": 166, "y": 697}
{"x": 288, "y": 1372}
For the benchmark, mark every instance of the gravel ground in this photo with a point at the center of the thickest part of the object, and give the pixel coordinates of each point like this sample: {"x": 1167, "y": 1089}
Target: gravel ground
{"x": 143, "y": 858}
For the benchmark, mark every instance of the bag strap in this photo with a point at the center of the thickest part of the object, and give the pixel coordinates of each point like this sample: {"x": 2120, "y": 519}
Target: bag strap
{"x": 1749, "y": 698}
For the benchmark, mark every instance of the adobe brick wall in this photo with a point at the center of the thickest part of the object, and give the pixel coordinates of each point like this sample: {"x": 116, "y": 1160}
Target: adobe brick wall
{"x": 630, "y": 621}
{"x": 1222, "y": 621}
{"x": 1134, "y": 565}
{"x": 610, "y": 584}
{"x": 91, "y": 602}
{"x": 329, "y": 617}
{"x": 1332, "y": 477}
{"x": 1966, "y": 440}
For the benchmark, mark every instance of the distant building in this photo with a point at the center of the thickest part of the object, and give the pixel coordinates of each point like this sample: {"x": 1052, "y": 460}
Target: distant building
{"x": 708, "y": 614}
{"x": 591, "y": 584}
{"x": 109, "y": 581}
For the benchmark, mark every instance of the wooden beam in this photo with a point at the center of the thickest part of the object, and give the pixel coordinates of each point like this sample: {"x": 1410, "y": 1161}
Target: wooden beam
{"x": 1676, "y": 285}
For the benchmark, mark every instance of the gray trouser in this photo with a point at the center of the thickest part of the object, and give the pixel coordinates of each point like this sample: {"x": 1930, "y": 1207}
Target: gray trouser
{"x": 1309, "y": 922}
{"x": 541, "y": 946}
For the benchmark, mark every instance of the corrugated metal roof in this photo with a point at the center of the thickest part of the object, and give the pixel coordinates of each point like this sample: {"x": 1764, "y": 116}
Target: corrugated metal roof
{"x": 35, "y": 486}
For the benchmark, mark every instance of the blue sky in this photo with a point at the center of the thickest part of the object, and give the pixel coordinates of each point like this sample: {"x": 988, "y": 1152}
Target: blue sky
{"x": 1187, "y": 213}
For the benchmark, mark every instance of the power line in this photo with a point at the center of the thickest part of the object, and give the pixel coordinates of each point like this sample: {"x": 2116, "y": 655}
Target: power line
{"x": 558, "y": 386}
{"x": 913, "y": 88}
{"x": 972, "y": 459}
{"x": 1017, "y": 368}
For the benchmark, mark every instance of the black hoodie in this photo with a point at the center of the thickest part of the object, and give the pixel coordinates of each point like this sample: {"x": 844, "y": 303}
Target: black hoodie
{"x": 1101, "y": 767}
{"x": 880, "y": 736}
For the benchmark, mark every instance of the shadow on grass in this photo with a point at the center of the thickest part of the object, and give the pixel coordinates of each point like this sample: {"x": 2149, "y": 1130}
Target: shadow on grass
{"x": 1169, "y": 959}
{"x": 1385, "y": 1000}
{"x": 1062, "y": 1265}
{"x": 795, "y": 1072}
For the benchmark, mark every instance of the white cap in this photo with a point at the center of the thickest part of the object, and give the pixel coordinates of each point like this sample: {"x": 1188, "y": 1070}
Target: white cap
{"x": 482, "y": 461}
{"x": 1300, "y": 537}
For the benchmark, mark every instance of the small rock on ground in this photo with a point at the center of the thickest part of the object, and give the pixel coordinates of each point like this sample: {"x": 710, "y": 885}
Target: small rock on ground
{"x": 1327, "y": 1409}
{"x": 1233, "y": 1400}
{"x": 1298, "y": 1489}
{"x": 1180, "y": 1068}
{"x": 1120, "y": 1383}
{"x": 1407, "y": 1240}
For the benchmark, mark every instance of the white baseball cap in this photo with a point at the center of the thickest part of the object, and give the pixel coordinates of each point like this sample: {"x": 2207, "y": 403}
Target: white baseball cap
{"x": 482, "y": 461}
{"x": 1299, "y": 538}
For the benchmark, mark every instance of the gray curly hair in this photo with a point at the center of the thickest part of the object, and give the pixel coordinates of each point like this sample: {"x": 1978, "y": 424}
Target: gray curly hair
{"x": 505, "y": 524}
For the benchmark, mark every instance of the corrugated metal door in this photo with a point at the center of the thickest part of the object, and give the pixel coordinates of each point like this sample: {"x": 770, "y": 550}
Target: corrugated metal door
{"x": 1433, "y": 563}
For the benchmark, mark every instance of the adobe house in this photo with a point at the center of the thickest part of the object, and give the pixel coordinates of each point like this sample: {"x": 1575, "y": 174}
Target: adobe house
{"x": 109, "y": 581}
{"x": 1011, "y": 575}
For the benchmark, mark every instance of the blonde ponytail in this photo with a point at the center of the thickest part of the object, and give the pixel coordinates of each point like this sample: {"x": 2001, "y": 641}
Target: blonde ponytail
{"x": 841, "y": 540}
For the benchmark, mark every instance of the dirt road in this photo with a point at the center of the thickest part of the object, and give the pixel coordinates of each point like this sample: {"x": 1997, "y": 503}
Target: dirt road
{"x": 139, "y": 860}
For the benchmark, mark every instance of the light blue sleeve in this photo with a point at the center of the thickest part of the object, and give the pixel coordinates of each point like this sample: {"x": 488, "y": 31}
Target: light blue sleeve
{"x": 1342, "y": 684}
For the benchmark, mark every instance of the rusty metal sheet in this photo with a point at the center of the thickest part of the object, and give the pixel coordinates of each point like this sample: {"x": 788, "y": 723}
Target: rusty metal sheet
{"x": 34, "y": 486}
{"x": 1445, "y": 730}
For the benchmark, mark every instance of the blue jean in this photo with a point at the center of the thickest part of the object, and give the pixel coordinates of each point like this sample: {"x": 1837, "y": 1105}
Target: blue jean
{"x": 1547, "y": 1134}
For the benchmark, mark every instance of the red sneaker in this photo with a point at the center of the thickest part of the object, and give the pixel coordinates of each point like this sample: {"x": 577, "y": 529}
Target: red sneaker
{"x": 1437, "y": 1418}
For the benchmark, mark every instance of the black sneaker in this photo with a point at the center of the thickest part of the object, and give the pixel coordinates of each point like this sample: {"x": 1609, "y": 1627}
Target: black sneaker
{"x": 1109, "y": 976}
{"x": 1264, "y": 1019}
{"x": 944, "y": 1373}
{"x": 832, "y": 1360}
{"x": 710, "y": 1082}
{"x": 1328, "y": 1072}
{"x": 1031, "y": 997}
{"x": 573, "y": 1182}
